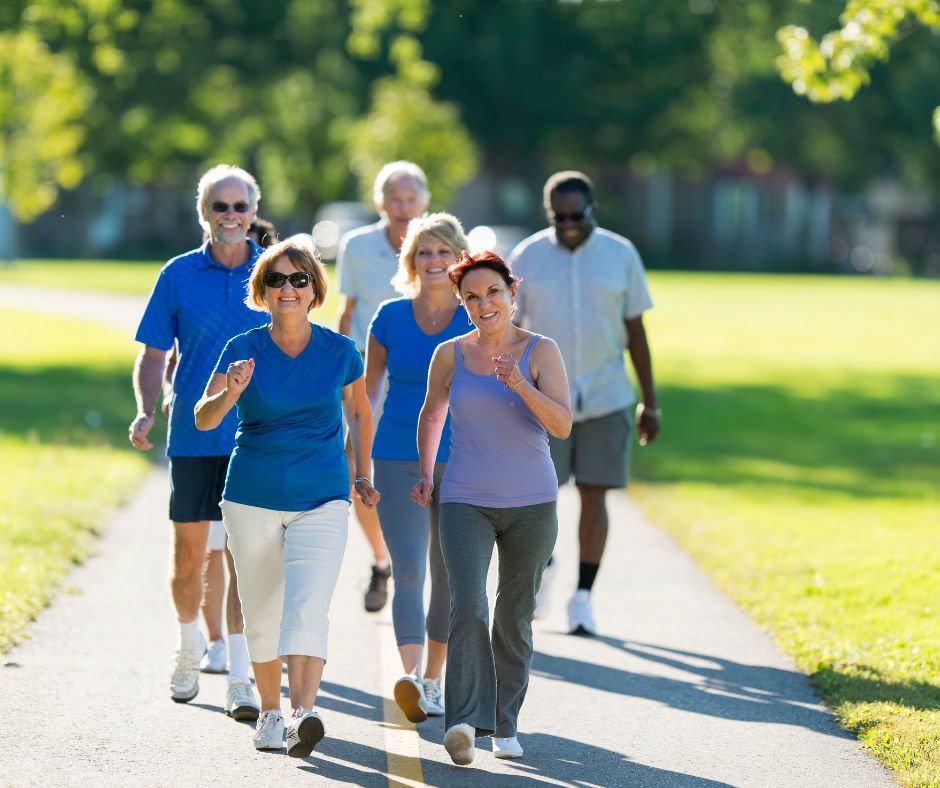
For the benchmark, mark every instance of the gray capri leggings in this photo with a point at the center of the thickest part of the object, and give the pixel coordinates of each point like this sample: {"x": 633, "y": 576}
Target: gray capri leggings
{"x": 408, "y": 528}
{"x": 487, "y": 677}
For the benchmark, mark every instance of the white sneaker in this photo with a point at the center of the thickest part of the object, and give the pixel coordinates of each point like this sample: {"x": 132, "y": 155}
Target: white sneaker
{"x": 434, "y": 697}
{"x": 215, "y": 658}
{"x": 304, "y": 730}
{"x": 269, "y": 731}
{"x": 240, "y": 703}
{"x": 184, "y": 683}
{"x": 581, "y": 614}
{"x": 507, "y": 747}
{"x": 409, "y": 695}
{"x": 542, "y": 596}
{"x": 458, "y": 741}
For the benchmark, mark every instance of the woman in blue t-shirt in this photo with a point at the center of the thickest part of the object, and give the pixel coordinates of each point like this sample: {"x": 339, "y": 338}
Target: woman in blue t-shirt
{"x": 402, "y": 338}
{"x": 285, "y": 502}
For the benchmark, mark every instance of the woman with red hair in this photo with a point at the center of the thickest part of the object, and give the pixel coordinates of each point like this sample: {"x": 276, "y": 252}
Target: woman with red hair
{"x": 505, "y": 389}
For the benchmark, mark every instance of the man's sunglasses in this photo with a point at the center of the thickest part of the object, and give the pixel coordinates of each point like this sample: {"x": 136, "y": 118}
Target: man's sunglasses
{"x": 238, "y": 207}
{"x": 570, "y": 217}
{"x": 298, "y": 280}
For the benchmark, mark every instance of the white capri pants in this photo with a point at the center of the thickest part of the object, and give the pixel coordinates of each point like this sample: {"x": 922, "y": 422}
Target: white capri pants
{"x": 287, "y": 565}
{"x": 216, "y": 536}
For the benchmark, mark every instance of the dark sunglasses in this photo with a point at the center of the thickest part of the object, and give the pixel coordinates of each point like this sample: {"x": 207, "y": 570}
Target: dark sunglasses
{"x": 238, "y": 207}
{"x": 298, "y": 280}
{"x": 571, "y": 217}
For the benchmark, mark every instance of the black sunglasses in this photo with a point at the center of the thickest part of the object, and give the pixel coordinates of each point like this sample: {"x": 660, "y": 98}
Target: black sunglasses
{"x": 238, "y": 207}
{"x": 571, "y": 217}
{"x": 298, "y": 280}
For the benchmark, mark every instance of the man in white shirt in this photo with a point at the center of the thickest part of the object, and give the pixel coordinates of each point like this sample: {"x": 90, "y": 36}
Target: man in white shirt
{"x": 366, "y": 262}
{"x": 585, "y": 287}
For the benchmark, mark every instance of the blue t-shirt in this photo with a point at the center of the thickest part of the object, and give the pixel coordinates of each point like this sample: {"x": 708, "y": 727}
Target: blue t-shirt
{"x": 201, "y": 303}
{"x": 289, "y": 445}
{"x": 409, "y": 356}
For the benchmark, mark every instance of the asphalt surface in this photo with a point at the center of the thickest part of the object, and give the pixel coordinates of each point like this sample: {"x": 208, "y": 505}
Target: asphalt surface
{"x": 680, "y": 688}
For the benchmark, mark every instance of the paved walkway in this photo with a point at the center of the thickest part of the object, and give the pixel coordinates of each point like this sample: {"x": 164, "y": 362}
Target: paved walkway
{"x": 680, "y": 689}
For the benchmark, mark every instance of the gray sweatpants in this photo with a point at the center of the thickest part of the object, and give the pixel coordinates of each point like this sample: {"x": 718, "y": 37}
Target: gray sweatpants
{"x": 487, "y": 677}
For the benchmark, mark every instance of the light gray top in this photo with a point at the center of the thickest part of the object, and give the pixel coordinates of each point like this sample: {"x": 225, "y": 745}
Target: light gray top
{"x": 581, "y": 299}
{"x": 365, "y": 265}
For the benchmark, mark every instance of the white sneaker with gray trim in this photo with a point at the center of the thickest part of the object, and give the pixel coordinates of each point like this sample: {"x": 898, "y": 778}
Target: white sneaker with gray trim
{"x": 581, "y": 614}
{"x": 184, "y": 683}
{"x": 409, "y": 695}
{"x": 240, "y": 703}
{"x": 433, "y": 697}
{"x": 269, "y": 731}
{"x": 506, "y": 747}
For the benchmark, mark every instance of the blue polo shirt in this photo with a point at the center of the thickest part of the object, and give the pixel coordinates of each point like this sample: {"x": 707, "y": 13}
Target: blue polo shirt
{"x": 289, "y": 446}
{"x": 200, "y": 303}
{"x": 409, "y": 352}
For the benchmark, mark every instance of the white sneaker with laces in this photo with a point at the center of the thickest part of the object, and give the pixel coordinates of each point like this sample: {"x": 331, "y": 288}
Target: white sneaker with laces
{"x": 269, "y": 731}
{"x": 543, "y": 595}
{"x": 506, "y": 747}
{"x": 581, "y": 614}
{"x": 459, "y": 743}
{"x": 215, "y": 658}
{"x": 240, "y": 703}
{"x": 304, "y": 730}
{"x": 434, "y": 697}
{"x": 409, "y": 695}
{"x": 184, "y": 683}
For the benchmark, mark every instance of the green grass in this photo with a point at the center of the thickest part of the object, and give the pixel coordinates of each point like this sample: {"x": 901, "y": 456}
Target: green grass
{"x": 109, "y": 276}
{"x": 799, "y": 466}
{"x": 65, "y": 463}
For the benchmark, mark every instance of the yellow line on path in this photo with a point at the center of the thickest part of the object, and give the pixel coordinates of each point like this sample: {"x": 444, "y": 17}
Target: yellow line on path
{"x": 402, "y": 743}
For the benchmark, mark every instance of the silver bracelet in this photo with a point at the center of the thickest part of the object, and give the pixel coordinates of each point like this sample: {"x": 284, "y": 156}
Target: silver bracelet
{"x": 516, "y": 385}
{"x": 362, "y": 479}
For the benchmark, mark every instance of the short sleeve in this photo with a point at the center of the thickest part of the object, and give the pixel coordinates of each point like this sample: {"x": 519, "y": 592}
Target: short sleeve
{"x": 518, "y": 266}
{"x": 637, "y": 299}
{"x": 379, "y": 326}
{"x": 158, "y": 327}
{"x": 355, "y": 368}
{"x": 228, "y": 357}
{"x": 345, "y": 271}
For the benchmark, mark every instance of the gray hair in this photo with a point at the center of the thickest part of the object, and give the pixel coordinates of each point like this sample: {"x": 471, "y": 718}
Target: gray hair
{"x": 219, "y": 173}
{"x": 395, "y": 169}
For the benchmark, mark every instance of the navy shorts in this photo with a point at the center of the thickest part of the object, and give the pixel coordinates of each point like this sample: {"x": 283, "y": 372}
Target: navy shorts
{"x": 196, "y": 485}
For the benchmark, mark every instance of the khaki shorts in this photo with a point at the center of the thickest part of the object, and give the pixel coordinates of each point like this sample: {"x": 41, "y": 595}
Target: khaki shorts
{"x": 597, "y": 452}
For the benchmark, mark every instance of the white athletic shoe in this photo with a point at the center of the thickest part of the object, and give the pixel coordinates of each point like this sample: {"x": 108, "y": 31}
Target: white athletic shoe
{"x": 269, "y": 731}
{"x": 215, "y": 658}
{"x": 304, "y": 730}
{"x": 543, "y": 595}
{"x": 184, "y": 683}
{"x": 507, "y": 747}
{"x": 240, "y": 703}
{"x": 409, "y": 695}
{"x": 459, "y": 743}
{"x": 581, "y": 614}
{"x": 434, "y": 697}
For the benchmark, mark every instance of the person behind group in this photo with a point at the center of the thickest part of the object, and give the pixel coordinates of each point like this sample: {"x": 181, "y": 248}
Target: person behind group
{"x": 285, "y": 502}
{"x": 506, "y": 390}
{"x": 366, "y": 261}
{"x": 586, "y": 287}
{"x": 402, "y": 338}
{"x": 215, "y": 660}
{"x": 197, "y": 304}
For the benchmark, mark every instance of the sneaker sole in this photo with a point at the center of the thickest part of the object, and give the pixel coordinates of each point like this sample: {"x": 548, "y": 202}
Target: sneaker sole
{"x": 581, "y": 631}
{"x": 310, "y": 731}
{"x": 244, "y": 713}
{"x": 184, "y": 698}
{"x": 408, "y": 699}
{"x": 435, "y": 713}
{"x": 459, "y": 746}
{"x": 507, "y": 756}
{"x": 212, "y": 670}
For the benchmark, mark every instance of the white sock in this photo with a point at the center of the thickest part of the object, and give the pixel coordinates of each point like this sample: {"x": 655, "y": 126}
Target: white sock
{"x": 238, "y": 657}
{"x": 190, "y": 637}
{"x": 382, "y": 565}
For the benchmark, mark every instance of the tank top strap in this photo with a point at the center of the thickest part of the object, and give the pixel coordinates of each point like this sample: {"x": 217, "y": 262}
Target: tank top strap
{"x": 458, "y": 356}
{"x": 524, "y": 361}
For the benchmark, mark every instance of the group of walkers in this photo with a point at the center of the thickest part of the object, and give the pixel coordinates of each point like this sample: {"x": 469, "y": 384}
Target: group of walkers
{"x": 478, "y": 422}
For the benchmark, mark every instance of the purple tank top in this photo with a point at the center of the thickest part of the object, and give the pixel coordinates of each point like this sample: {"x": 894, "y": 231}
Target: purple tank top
{"x": 499, "y": 453}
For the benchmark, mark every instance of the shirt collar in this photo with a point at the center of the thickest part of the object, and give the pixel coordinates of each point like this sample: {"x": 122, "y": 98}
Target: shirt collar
{"x": 553, "y": 238}
{"x": 207, "y": 261}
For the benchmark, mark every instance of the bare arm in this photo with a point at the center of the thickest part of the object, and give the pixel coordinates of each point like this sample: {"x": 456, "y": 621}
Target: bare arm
{"x": 432, "y": 419}
{"x": 345, "y": 319}
{"x": 147, "y": 380}
{"x": 648, "y": 418}
{"x": 168, "y": 372}
{"x": 222, "y": 392}
{"x": 376, "y": 362}
{"x": 358, "y": 414}
{"x": 549, "y": 400}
